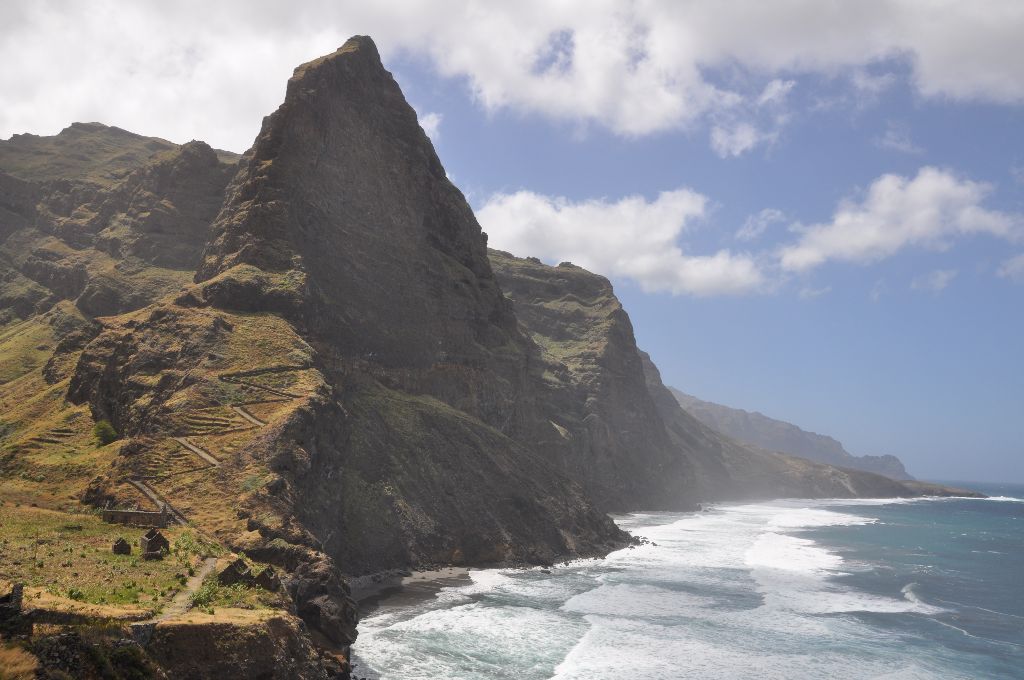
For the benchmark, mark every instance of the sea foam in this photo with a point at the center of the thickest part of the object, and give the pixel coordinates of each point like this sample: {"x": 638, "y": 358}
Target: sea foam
{"x": 742, "y": 591}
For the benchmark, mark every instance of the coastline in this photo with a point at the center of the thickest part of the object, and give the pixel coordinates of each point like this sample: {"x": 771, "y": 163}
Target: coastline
{"x": 399, "y": 589}
{"x": 676, "y": 601}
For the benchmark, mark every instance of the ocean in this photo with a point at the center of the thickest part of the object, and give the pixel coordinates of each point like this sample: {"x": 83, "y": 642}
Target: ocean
{"x": 894, "y": 589}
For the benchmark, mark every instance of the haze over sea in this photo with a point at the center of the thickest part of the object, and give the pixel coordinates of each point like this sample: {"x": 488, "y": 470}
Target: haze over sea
{"x": 908, "y": 588}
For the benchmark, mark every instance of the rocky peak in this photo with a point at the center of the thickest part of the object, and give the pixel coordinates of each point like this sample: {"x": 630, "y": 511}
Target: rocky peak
{"x": 343, "y": 203}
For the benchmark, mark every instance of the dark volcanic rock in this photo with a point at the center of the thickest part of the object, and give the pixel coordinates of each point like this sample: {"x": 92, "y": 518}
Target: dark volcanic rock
{"x": 343, "y": 220}
{"x": 343, "y": 199}
{"x": 596, "y": 397}
{"x": 132, "y": 367}
{"x": 632, "y": 444}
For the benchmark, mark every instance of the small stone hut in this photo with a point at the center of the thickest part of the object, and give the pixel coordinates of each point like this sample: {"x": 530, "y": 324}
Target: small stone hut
{"x": 122, "y": 547}
{"x": 153, "y": 542}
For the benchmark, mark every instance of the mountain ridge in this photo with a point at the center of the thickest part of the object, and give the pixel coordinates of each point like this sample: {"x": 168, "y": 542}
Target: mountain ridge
{"x": 757, "y": 429}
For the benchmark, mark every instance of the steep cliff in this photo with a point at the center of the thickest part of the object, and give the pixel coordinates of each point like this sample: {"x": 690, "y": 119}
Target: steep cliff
{"x": 761, "y": 431}
{"x": 595, "y": 394}
{"x": 634, "y": 443}
{"x": 343, "y": 210}
{"x": 409, "y": 443}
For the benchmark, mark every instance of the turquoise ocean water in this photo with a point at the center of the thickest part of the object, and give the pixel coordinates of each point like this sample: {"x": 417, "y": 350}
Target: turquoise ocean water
{"x": 907, "y": 589}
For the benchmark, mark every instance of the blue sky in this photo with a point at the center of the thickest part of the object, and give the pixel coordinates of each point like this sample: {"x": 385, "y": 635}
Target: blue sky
{"x": 886, "y": 356}
{"x": 809, "y": 209}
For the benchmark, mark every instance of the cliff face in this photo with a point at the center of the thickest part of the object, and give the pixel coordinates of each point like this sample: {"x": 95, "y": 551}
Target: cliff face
{"x": 632, "y": 442}
{"x": 342, "y": 218}
{"x": 759, "y": 430}
{"x": 595, "y": 394}
{"x": 343, "y": 194}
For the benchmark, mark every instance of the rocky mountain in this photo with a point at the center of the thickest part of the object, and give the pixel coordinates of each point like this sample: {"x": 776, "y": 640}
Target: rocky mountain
{"x": 595, "y": 395}
{"x": 633, "y": 444}
{"x": 308, "y": 357}
{"x": 759, "y": 430}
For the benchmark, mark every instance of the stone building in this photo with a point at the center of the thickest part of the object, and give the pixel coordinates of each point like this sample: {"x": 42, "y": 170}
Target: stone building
{"x": 154, "y": 543}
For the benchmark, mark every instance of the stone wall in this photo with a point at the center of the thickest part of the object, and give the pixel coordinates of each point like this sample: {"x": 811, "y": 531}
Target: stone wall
{"x": 142, "y": 518}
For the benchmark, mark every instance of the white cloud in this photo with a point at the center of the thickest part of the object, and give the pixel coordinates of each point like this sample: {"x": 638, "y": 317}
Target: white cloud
{"x": 897, "y": 138}
{"x": 755, "y": 225}
{"x": 744, "y": 125}
{"x": 1013, "y": 269}
{"x": 630, "y": 238}
{"x": 812, "y": 293}
{"x": 872, "y": 85}
{"x": 775, "y": 92}
{"x": 934, "y": 281}
{"x": 897, "y": 212}
{"x": 431, "y": 124}
{"x": 194, "y": 69}
{"x": 737, "y": 140}
{"x": 878, "y": 290}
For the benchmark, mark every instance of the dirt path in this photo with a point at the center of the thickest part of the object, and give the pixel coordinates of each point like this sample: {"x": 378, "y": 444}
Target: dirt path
{"x": 202, "y": 453}
{"x": 158, "y": 500}
{"x": 271, "y": 390}
{"x": 248, "y": 416}
{"x": 180, "y": 603}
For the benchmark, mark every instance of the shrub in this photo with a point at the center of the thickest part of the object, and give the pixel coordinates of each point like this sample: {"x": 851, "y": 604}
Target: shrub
{"x": 104, "y": 432}
{"x": 206, "y": 593}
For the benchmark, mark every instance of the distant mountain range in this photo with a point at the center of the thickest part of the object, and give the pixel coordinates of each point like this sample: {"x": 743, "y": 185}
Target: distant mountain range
{"x": 759, "y": 430}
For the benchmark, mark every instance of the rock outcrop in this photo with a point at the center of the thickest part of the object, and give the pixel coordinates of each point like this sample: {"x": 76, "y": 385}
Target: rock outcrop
{"x": 343, "y": 219}
{"x": 343, "y": 199}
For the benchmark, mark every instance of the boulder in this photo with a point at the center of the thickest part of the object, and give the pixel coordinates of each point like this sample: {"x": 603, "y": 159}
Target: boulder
{"x": 268, "y": 580}
{"x": 236, "y": 572}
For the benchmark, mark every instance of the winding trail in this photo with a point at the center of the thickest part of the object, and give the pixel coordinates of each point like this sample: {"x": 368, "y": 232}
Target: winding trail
{"x": 180, "y": 604}
{"x": 236, "y": 378}
{"x": 202, "y": 453}
{"x": 242, "y": 411}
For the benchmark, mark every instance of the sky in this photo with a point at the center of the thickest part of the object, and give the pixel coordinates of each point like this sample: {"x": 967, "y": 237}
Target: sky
{"x": 810, "y": 209}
